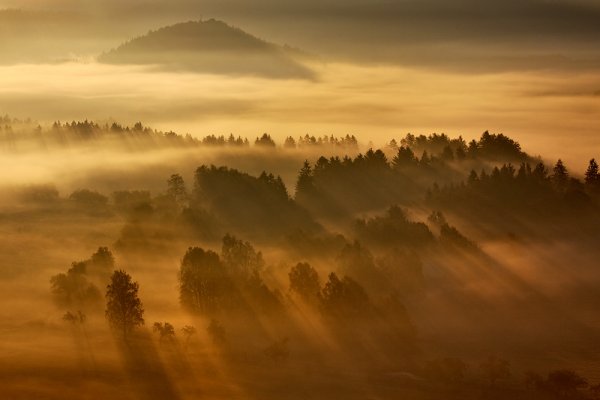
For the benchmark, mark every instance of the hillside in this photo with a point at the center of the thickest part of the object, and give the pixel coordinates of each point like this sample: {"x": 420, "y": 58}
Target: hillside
{"x": 208, "y": 46}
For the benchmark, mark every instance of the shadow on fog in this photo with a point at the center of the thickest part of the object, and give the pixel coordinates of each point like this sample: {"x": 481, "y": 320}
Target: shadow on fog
{"x": 145, "y": 368}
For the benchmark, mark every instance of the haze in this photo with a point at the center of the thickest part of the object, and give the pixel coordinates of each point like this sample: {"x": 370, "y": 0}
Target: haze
{"x": 299, "y": 200}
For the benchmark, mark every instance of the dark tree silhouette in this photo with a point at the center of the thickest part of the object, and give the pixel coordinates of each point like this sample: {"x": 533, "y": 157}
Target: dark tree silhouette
{"x": 203, "y": 282}
{"x": 240, "y": 258}
{"x": 176, "y": 189}
{"x": 73, "y": 288}
{"x": 128, "y": 200}
{"x": 393, "y": 228}
{"x": 124, "y": 309}
{"x": 188, "y": 332}
{"x": 595, "y": 391}
{"x": 102, "y": 263}
{"x": 252, "y": 205}
{"x": 560, "y": 175}
{"x": 565, "y": 382}
{"x": 447, "y": 154}
{"x": 74, "y": 318}
{"x": 217, "y": 332}
{"x": 289, "y": 143}
{"x": 592, "y": 177}
{"x": 265, "y": 140}
{"x": 358, "y": 263}
{"x": 88, "y": 198}
{"x": 304, "y": 281}
{"x": 404, "y": 157}
{"x": 165, "y": 330}
{"x": 305, "y": 180}
{"x": 449, "y": 235}
{"x": 343, "y": 298}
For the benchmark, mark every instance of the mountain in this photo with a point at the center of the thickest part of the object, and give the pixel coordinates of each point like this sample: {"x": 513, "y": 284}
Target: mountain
{"x": 209, "y": 46}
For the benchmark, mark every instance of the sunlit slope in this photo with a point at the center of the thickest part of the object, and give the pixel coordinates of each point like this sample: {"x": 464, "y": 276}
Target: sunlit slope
{"x": 208, "y": 46}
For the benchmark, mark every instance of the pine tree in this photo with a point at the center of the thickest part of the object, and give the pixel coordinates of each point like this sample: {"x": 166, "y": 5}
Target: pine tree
{"x": 305, "y": 179}
{"x": 592, "y": 178}
{"x": 404, "y": 157}
{"x": 560, "y": 177}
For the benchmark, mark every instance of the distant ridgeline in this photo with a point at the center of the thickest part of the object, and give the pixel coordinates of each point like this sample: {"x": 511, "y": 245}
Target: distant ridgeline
{"x": 18, "y": 134}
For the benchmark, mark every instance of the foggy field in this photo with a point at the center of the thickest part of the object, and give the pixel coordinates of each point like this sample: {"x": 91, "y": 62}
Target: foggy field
{"x": 285, "y": 200}
{"x": 515, "y": 296}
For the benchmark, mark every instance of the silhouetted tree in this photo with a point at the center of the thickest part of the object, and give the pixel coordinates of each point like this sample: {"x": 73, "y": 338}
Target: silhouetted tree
{"x": 217, "y": 332}
{"x": 565, "y": 382}
{"x": 289, "y": 143}
{"x": 74, "y": 318}
{"x": 240, "y": 258}
{"x": 560, "y": 175}
{"x": 343, "y": 297}
{"x": 40, "y": 194}
{"x": 73, "y": 288}
{"x": 128, "y": 200}
{"x": 404, "y": 158}
{"x": 254, "y": 205}
{"x": 595, "y": 391}
{"x": 447, "y": 154}
{"x": 304, "y": 281}
{"x": 188, "y": 331}
{"x": 88, "y": 198}
{"x": 450, "y": 235}
{"x": 166, "y": 331}
{"x": 592, "y": 177}
{"x": 305, "y": 179}
{"x": 124, "y": 309}
{"x": 265, "y": 140}
{"x": 102, "y": 263}
{"x": 358, "y": 263}
{"x": 461, "y": 153}
{"x": 176, "y": 189}
{"x": 203, "y": 282}
{"x": 540, "y": 172}
{"x": 393, "y": 228}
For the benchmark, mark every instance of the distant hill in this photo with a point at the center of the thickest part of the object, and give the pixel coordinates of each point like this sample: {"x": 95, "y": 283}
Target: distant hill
{"x": 209, "y": 46}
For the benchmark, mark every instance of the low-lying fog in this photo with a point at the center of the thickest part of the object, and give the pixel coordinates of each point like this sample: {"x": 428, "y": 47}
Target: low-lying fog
{"x": 458, "y": 266}
{"x": 552, "y": 114}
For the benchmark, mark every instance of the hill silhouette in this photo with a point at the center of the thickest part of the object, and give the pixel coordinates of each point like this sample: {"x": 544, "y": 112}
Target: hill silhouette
{"x": 209, "y": 46}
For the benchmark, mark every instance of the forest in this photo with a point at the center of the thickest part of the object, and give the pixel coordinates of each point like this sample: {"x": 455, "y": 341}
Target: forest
{"x": 222, "y": 266}
{"x": 299, "y": 200}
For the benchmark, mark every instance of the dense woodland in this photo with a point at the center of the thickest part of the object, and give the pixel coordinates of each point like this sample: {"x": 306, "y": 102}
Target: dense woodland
{"x": 347, "y": 254}
{"x": 21, "y": 135}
